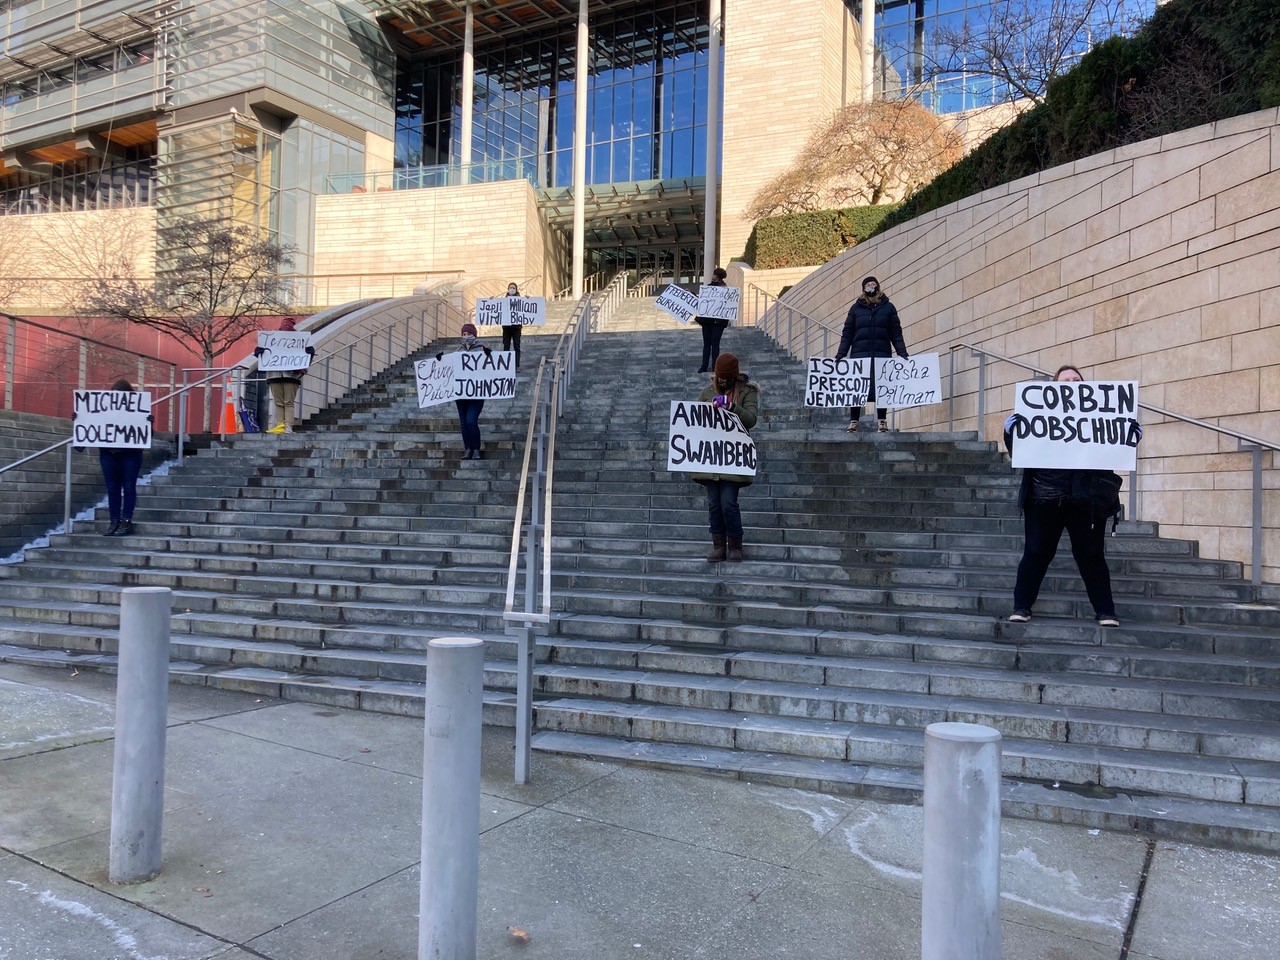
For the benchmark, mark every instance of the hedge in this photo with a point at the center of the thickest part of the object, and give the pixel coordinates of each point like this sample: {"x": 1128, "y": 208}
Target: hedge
{"x": 806, "y": 239}
{"x": 1129, "y": 89}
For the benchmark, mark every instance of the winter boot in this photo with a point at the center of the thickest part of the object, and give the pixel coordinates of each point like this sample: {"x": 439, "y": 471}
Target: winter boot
{"x": 735, "y": 551}
{"x": 717, "y": 553}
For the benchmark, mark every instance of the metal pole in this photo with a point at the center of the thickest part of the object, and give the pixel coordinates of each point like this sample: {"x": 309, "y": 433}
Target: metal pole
{"x": 182, "y": 422}
{"x": 468, "y": 92}
{"x": 82, "y": 377}
{"x": 66, "y": 494}
{"x": 982, "y": 395}
{"x": 951, "y": 391}
{"x": 526, "y": 649}
{"x": 450, "y": 883}
{"x": 1256, "y": 547}
{"x": 581, "y": 78}
{"x": 10, "y": 362}
{"x": 960, "y": 898}
{"x": 142, "y": 704}
{"x": 712, "y": 213}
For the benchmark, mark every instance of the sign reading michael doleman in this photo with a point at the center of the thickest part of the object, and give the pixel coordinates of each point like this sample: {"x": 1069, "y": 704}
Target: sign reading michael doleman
{"x": 466, "y": 375}
{"x": 284, "y": 350}
{"x": 913, "y": 382}
{"x": 1084, "y": 425}
{"x": 719, "y": 303}
{"x": 706, "y": 439}
{"x": 678, "y": 302}
{"x": 116, "y": 419}
{"x": 837, "y": 383}
{"x": 511, "y": 311}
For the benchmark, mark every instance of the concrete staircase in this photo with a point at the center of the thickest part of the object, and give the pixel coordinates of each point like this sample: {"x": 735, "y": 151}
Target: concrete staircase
{"x": 318, "y": 565}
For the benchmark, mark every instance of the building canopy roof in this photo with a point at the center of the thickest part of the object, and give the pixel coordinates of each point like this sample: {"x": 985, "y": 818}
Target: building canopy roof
{"x": 441, "y": 24}
{"x": 644, "y": 213}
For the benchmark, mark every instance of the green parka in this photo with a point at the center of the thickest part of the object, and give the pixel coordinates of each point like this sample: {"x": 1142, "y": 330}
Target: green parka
{"x": 745, "y": 402}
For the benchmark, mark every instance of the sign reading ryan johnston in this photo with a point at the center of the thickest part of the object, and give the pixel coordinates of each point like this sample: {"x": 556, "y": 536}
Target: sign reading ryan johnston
{"x": 114, "y": 419}
{"x": 1085, "y": 425}
{"x": 703, "y": 438}
{"x": 466, "y": 375}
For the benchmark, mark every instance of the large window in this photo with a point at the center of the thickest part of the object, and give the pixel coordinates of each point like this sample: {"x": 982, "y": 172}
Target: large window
{"x": 646, "y": 106}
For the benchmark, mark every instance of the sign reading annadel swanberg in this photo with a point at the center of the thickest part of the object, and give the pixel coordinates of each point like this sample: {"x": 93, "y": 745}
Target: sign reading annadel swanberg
{"x": 706, "y": 439}
{"x": 284, "y": 350}
{"x": 115, "y": 419}
{"x": 718, "y": 303}
{"x": 678, "y": 302}
{"x": 466, "y": 375}
{"x": 837, "y": 383}
{"x": 511, "y": 311}
{"x": 1087, "y": 425}
{"x": 914, "y": 382}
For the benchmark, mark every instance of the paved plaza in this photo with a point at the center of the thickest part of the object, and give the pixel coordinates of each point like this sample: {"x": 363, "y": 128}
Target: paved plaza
{"x": 292, "y": 833}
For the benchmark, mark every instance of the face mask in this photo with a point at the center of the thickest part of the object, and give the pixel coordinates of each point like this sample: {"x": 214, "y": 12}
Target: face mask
{"x": 723, "y": 385}
{"x": 870, "y": 289}
{"x": 468, "y": 340}
{"x": 512, "y": 292}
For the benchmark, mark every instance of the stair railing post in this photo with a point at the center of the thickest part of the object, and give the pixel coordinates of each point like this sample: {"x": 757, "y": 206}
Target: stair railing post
{"x": 525, "y": 650}
{"x": 182, "y": 420}
{"x": 1255, "y": 550}
{"x": 66, "y": 494}
{"x": 10, "y": 362}
{"x": 982, "y": 391}
{"x": 951, "y": 391}
{"x": 172, "y": 387}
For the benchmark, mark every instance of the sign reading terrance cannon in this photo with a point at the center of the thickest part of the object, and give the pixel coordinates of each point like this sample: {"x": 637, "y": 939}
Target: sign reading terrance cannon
{"x": 114, "y": 419}
{"x": 466, "y": 375}
{"x": 1076, "y": 425}
{"x": 284, "y": 350}
{"x": 511, "y": 311}
{"x": 703, "y": 438}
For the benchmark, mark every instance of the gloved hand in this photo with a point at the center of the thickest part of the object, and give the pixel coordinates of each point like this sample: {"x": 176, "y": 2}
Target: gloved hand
{"x": 439, "y": 356}
{"x": 1014, "y": 420}
{"x": 904, "y": 356}
{"x": 722, "y": 402}
{"x": 487, "y": 351}
{"x": 259, "y": 351}
{"x": 311, "y": 352}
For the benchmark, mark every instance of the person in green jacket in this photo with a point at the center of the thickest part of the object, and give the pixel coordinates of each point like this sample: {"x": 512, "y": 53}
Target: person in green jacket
{"x": 731, "y": 390}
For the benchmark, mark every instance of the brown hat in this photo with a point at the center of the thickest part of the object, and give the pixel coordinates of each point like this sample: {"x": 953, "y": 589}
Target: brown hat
{"x": 727, "y": 367}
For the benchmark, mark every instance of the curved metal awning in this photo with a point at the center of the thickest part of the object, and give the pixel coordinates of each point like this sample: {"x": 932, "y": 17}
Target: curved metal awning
{"x": 440, "y": 24}
{"x": 639, "y": 214}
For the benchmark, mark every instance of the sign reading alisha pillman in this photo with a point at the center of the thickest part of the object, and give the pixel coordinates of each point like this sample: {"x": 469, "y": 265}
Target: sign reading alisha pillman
{"x": 913, "y": 382}
{"x": 111, "y": 419}
{"x": 703, "y": 438}
{"x": 1082, "y": 425}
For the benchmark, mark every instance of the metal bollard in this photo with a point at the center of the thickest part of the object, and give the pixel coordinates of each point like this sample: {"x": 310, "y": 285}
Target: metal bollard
{"x": 142, "y": 705}
{"x": 961, "y": 892}
{"x": 451, "y": 800}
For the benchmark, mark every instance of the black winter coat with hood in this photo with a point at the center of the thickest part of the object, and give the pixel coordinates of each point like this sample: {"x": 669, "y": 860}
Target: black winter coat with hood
{"x": 872, "y": 329}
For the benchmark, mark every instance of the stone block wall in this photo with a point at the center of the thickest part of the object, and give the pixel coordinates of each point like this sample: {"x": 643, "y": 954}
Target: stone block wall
{"x": 1159, "y": 261}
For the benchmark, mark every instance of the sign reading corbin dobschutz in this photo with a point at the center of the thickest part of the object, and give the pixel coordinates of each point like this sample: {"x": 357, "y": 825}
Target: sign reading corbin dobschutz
{"x": 705, "y": 439}
{"x": 284, "y": 350}
{"x": 1086, "y": 425}
{"x": 466, "y": 375}
{"x": 719, "y": 303}
{"x": 511, "y": 311}
{"x": 116, "y": 419}
{"x": 837, "y": 383}
{"x": 678, "y": 302}
{"x": 914, "y": 382}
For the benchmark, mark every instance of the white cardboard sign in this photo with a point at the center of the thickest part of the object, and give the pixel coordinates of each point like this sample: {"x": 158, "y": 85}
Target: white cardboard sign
{"x": 837, "y": 383}
{"x": 511, "y": 311}
{"x": 702, "y": 438}
{"x": 1086, "y": 425}
{"x": 913, "y": 382}
{"x": 678, "y": 302}
{"x": 284, "y": 350}
{"x": 466, "y": 375}
{"x": 114, "y": 419}
{"x": 719, "y": 303}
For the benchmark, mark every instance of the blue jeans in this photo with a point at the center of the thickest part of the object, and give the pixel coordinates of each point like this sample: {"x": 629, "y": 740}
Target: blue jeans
{"x": 722, "y": 507}
{"x": 469, "y": 422}
{"x": 120, "y": 471}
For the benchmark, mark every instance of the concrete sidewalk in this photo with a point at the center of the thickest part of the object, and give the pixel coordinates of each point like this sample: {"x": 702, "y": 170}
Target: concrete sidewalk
{"x": 292, "y": 833}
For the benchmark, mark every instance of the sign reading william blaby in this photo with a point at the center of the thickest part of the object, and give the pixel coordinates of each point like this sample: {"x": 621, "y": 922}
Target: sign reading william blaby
{"x": 1081, "y": 425}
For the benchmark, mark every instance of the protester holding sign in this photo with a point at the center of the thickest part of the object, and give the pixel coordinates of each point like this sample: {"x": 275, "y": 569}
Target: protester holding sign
{"x": 1054, "y": 499}
{"x": 469, "y": 410}
{"x": 511, "y": 331}
{"x": 871, "y": 330}
{"x": 712, "y": 327}
{"x": 284, "y": 385}
{"x": 730, "y": 389}
{"x": 120, "y": 467}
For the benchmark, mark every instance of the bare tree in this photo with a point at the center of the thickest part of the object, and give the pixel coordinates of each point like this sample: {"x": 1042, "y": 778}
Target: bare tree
{"x": 867, "y": 153}
{"x": 1022, "y": 45}
{"x": 216, "y": 281}
{"x": 12, "y": 269}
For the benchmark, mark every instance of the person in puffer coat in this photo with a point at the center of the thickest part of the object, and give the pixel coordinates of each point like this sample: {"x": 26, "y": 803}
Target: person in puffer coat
{"x": 872, "y": 330}
{"x": 731, "y": 390}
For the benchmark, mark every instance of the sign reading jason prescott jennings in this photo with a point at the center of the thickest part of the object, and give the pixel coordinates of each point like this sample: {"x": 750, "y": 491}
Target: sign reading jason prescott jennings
{"x": 284, "y": 350}
{"x": 116, "y": 419}
{"x": 914, "y": 382}
{"x": 702, "y": 438}
{"x": 837, "y": 383}
{"x": 511, "y": 311}
{"x": 466, "y": 375}
{"x": 1086, "y": 425}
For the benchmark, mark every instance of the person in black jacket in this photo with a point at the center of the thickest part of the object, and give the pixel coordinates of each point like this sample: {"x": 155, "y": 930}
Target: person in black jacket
{"x": 511, "y": 331}
{"x": 712, "y": 327}
{"x": 1053, "y": 500}
{"x": 871, "y": 330}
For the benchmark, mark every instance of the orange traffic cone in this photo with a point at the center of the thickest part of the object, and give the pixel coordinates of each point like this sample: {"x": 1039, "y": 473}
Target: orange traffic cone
{"x": 230, "y": 419}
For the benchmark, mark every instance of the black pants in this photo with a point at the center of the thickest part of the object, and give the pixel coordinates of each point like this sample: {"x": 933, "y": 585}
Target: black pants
{"x": 469, "y": 422}
{"x": 712, "y": 331}
{"x": 855, "y": 413}
{"x": 1045, "y": 521}
{"x": 723, "y": 510}
{"x": 120, "y": 473}
{"x": 511, "y": 339}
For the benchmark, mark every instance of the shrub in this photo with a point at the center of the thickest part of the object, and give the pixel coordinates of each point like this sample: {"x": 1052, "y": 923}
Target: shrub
{"x": 807, "y": 239}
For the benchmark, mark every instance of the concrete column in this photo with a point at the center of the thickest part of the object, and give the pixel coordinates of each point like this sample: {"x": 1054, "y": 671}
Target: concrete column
{"x": 451, "y": 800}
{"x": 712, "y": 225}
{"x": 582, "y": 76}
{"x": 868, "y": 50}
{"x": 142, "y": 706}
{"x": 960, "y": 901}
{"x": 468, "y": 91}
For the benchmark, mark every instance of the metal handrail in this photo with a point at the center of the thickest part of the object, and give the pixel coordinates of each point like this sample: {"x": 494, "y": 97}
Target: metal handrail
{"x": 770, "y": 321}
{"x": 1247, "y": 443}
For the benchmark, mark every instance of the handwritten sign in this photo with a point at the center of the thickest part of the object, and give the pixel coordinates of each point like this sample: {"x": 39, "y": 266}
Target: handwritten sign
{"x": 115, "y": 419}
{"x": 1087, "y": 425}
{"x": 718, "y": 303}
{"x": 511, "y": 311}
{"x": 466, "y": 375}
{"x": 284, "y": 350}
{"x": 678, "y": 302}
{"x": 706, "y": 439}
{"x": 837, "y": 383}
{"x": 913, "y": 382}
